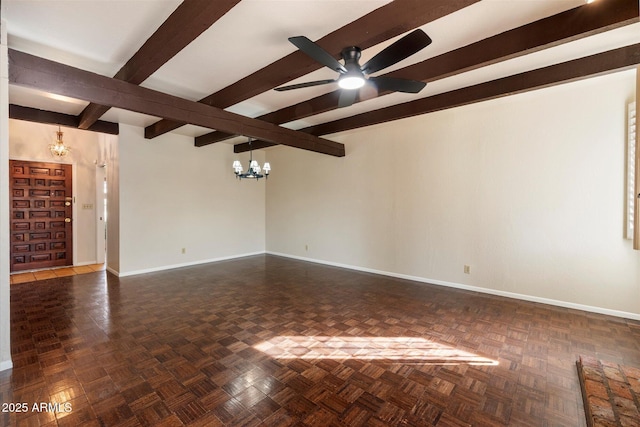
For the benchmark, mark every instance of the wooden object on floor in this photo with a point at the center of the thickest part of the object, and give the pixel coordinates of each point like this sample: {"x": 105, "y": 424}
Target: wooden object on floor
{"x": 611, "y": 392}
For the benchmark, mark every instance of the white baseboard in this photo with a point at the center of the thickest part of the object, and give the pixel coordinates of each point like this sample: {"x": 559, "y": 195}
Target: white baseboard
{"x": 6, "y": 364}
{"x": 112, "y": 271}
{"x": 80, "y": 264}
{"x": 524, "y": 297}
{"x": 186, "y": 264}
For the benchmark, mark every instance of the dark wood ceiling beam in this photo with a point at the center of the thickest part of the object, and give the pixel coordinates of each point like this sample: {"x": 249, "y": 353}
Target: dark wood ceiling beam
{"x": 39, "y": 73}
{"x": 190, "y": 19}
{"x": 317, "y": 105}
{"x": 255, "y": 145}
{"x": 590, "y": 66}
{"x": 388, "y": 21}
{"x": 564, "y": 27}
{"x": 29, "y": 114}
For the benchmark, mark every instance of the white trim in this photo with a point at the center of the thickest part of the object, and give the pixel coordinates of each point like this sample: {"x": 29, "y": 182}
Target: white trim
{"x": 5, "y": 252}
{"x": 114, "y": 272}
{"x": 74, "y": 212}
{"x": 565, "y": 304}
{"x": 6, "y": 364}
{"x": 80, "y": 264}
{"x": 630, "y": 169}
{"x": 186, "y": 264}
{"x": 101, "y": 243}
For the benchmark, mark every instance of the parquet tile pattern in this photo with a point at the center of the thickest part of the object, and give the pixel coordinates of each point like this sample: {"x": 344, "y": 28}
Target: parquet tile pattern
{"x": 269, "y": 341}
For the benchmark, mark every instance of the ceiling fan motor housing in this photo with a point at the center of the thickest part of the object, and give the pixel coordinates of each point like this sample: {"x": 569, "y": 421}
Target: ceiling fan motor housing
{"x": 354, "y": 77}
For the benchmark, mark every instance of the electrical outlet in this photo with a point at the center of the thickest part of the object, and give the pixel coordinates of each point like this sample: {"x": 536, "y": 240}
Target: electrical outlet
{"x": 467, "y": 269}
{"x": 306, "y": 247}
{"x": 184, "y": 250}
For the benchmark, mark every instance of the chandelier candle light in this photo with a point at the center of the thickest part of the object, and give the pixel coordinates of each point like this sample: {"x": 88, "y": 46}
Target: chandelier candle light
{"x": 254, "y": 171}
{"x": 58, "y": 148}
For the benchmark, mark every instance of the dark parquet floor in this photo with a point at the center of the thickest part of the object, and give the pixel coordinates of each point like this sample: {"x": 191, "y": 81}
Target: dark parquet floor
{"x": 268, "y": 341}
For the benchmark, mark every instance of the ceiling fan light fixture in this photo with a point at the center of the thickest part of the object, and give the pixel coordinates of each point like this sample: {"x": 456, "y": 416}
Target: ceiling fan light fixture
{"x": 351, "y": 82}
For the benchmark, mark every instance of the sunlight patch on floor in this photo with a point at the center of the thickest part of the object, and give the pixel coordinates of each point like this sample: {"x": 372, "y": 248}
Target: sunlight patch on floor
{"x": 392, "y": 349}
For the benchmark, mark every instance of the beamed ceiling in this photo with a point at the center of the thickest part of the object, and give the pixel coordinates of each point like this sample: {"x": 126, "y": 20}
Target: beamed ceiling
{"x": 207, "y": 69}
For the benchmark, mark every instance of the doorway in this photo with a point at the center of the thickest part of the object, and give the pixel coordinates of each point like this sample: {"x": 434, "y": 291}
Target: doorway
{"x": 41, "y": 210}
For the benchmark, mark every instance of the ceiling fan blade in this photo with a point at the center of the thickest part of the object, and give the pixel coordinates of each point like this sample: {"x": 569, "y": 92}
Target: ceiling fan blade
{"x": 317, "y": 53}
{"x": 306, "y": 84}
{"x": 347, "y": 97}
{"x": 397, "y": 85}
{"x": 396, "y": 52}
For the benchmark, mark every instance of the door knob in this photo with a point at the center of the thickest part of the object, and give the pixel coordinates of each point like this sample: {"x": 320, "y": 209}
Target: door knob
{"x": 67, "y": 220}
{"x": 67, "y": 203}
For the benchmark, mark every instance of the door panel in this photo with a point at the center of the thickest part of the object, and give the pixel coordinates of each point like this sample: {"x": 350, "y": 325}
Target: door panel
{"x": 41, "y": 208}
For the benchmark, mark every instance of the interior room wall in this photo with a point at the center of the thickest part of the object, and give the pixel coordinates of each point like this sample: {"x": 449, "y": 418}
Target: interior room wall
{"x": 5, "y": 321}
{"x": 30, "y": 141}
{"x": 176, "y": 196}
{"x": 526, "y": 190}
{"x": 108, "y": 156}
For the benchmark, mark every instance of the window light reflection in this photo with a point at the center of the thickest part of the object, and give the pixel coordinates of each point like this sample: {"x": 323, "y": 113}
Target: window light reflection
{"x": 392, "y": 349}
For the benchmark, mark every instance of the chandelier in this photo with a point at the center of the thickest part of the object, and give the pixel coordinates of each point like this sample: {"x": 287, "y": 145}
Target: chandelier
{"x": 58, "y": 148}
{"x": 254, "y": 171}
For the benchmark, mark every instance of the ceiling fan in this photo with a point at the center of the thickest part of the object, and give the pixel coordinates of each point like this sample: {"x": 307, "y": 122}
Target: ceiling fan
{"x": 353, "y": 75}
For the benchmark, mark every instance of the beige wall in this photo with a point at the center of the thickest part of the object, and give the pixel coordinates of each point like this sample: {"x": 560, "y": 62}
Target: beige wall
{"x": 109, "y": 156}
{"x": 5, "y": 325}
{"x": 527, "y": 190}
{"x": 174, "y": 195}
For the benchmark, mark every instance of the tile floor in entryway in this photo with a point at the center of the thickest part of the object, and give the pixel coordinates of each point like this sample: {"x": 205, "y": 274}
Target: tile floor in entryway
{"x": 32, "y": 276}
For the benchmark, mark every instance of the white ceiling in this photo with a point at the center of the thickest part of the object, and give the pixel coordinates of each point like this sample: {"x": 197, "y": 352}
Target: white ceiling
{"x": 100, "y": 36}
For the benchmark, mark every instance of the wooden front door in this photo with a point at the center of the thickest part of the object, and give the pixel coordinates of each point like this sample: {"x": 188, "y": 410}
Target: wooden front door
{"x": 41, "y": 207}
